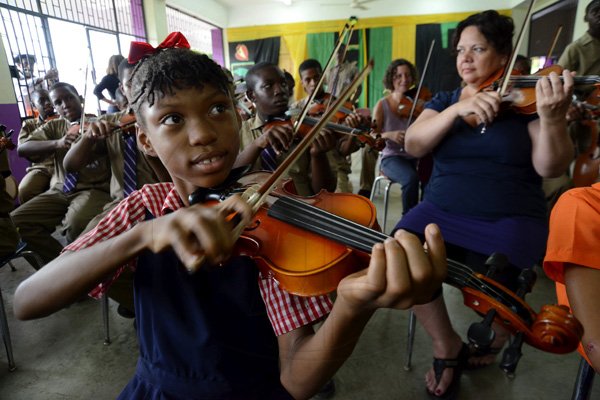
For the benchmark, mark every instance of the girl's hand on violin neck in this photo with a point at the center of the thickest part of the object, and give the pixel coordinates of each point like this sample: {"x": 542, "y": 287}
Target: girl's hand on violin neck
{"x": 400, "y": 273}
{"x": 554, "y": 97}
{"x": 197, "y": 231}
{"x": 485, "y": 105}
{"x": 326, "y": 140}
{"x": 278, "y": 136}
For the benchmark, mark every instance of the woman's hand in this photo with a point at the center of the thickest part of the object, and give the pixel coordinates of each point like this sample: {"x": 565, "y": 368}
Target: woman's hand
{"x": 554, "y": 97}
{"x": 400, "y": 273}
{"x": 395, "y": 136}
{"x": 484, "y": 105}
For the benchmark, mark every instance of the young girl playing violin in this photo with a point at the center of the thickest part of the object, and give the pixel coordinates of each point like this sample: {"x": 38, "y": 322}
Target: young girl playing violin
{"x": 226, "y": 332}
{"x": 485, "y": 189}
{"x": 391, "y": 120}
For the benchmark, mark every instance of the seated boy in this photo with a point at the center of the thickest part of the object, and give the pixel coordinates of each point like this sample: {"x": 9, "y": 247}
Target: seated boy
{"x": 264, "y": 145}
{"x": 228, "y": 331}
{"x": 74, "y": 199}
{"x": 39, "y": 174}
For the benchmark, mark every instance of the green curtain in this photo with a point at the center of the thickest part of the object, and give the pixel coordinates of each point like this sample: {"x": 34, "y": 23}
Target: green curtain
{"x": 380, "y": 50}
{"x": 320, "y": 46}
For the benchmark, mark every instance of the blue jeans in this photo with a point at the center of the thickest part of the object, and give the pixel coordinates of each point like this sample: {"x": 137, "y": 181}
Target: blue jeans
{"x": 404, "y": 172}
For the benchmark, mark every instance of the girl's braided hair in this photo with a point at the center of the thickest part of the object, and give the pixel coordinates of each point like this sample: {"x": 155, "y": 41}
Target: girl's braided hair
{"x": 168, "y": 70}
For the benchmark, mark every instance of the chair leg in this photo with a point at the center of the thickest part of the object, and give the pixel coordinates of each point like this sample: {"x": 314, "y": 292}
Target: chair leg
{"x": 386, "y": 198}
{"x": 38, "y": 260}
{"x": 583, "y": 384}
{"x": 105, "y": 319}
{"x": 6, "y": 335}
{"x": 412, "y": 321}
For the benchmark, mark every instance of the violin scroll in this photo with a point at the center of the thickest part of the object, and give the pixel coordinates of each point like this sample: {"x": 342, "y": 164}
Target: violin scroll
{"x": 556, "y": 330}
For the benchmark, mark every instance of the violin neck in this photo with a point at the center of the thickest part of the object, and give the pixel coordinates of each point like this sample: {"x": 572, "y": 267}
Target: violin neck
{"x": 530, "y": 80}
{"x": 311, "y": 121}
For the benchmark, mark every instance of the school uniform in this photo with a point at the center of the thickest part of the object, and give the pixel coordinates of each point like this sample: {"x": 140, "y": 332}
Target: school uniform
{"x": 300, "y": 171}
{"x": 39, "y": 174}
{"x": 340, "y": 165}
{"x": 10, "y": 237}
{"x": 207, "y": 335}
{"x": 37, "y": 219}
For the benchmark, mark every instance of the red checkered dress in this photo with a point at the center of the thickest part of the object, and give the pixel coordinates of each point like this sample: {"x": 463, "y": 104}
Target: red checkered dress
{"x": 286, "y": 311}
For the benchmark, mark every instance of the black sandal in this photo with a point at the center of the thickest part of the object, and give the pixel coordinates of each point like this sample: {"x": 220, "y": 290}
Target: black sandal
{"x": 457, "y": 364}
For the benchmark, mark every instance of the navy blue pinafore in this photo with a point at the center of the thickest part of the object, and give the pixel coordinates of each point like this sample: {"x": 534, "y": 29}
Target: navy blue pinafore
{"x": 202, "y": 336}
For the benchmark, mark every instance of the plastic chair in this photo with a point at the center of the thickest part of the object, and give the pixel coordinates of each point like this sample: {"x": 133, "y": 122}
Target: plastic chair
{"x": 18, "y": 253}
{"x": 583, "y": 384}
{"x": 386, "y": 194}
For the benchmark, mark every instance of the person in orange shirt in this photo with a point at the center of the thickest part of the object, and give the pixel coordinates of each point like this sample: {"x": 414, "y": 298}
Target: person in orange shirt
{"x": 573, "y": 261}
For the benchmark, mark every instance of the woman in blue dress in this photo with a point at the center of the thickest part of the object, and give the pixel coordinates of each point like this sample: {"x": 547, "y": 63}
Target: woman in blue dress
{"x": 485, "y": 190}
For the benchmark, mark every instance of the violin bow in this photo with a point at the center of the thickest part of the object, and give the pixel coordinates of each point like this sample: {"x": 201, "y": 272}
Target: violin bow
{"x": 346, "y": 31}
{"x": 256, "y": 196}
{"x": 414, "y": 104}
{"x": 556, "y": 35}
{"x": 513, "y": 58}
{"x": 85, "y": 86}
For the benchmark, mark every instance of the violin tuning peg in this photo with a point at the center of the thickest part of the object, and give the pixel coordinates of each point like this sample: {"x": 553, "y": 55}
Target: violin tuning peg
{"x": 480, "y": 334}
{"x": 526, "y": 280}
{"x": 512, "y": 355}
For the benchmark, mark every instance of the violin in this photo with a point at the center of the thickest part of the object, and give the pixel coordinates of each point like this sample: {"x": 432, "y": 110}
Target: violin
{"x": 406, "y": 102}
{"x": 587, "y": 164}
{"x": 319, "y": 107}
{"x": 309, "y": 244}
{"x": 362, "y": 135}
{"x": 5, "y": 142}
{"x": 521, "y": 93}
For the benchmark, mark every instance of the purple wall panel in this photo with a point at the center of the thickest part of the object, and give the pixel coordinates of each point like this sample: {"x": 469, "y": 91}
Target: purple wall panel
{"x": 217, "y": 46}
{"x": 9, "y": 116}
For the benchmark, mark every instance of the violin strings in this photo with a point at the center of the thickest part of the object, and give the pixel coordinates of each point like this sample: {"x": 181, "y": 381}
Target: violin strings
{"x": 358, "y": 236}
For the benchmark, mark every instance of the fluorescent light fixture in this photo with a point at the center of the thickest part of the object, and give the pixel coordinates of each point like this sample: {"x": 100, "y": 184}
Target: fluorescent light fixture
{"x": 286, "y": 2}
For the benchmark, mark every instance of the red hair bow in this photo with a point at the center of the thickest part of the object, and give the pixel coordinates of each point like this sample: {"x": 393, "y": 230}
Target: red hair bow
{"x": 139, "y": 50}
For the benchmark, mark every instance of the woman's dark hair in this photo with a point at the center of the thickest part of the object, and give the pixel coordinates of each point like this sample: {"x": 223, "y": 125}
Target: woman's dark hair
{"x": 171, "y": 69}
{"x": 497, "y": 29}
{"x": 388, "y": 78}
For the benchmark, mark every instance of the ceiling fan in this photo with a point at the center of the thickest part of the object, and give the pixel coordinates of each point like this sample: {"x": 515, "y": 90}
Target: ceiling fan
{"x": 357, "y": 4}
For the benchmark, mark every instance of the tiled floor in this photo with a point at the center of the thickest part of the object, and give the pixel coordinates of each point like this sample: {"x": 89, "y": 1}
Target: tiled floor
{"x": 63, "y": 356}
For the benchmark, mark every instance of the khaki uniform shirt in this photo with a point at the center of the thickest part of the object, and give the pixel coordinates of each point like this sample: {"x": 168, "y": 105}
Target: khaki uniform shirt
{"x": 95, "y": 175}
{"x": 115, "y": 146}
{"x": 583, "y": 56}
{"x": 47, "y": 164}
{"x": 300, "y": 170}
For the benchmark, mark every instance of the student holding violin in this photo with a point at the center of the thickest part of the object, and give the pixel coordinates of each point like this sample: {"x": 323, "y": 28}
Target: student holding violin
{"x": 485, "y": 189}
{"x": 267, "y": 138}
{"x": 227, "y": 331}
{"x": 391, "y": 115}
{"x": 39, "y": 173}
{"x": 310, "y": 73}
{"x": 73, "y": 200}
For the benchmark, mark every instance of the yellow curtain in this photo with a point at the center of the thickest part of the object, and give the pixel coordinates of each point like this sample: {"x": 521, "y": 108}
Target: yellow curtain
{"x": 296, "y": 46}
{"x": 404, "y": 42}
{"x": 264, "y": 31}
